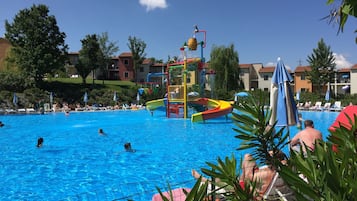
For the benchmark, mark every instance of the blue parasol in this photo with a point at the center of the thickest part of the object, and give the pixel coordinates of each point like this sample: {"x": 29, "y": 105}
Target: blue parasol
{"x": 141, "y": 91}
{"x": 327, "y": 96}
{"x": 115, "y": 97}
{"x": 282, "y": 104}
{"x": 51, "y": 97}
{"x": 240, "y": 94}
{"x": 138, "y": 97}
{"x": 15, "y": 99}
{"x": 85, "y": 98}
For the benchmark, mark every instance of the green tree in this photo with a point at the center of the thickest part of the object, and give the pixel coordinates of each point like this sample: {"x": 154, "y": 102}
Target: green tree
{"x": 109, "y": 49}
{"x": 90, "y": 57}
{"x": 137, "y": 48}
{"x": 340, "y": 13}
{"x": 14, "y": 81}
{"x": 37, "y": 42}
{"x": 322, "y": 64}
{"x": 225, "y": 62}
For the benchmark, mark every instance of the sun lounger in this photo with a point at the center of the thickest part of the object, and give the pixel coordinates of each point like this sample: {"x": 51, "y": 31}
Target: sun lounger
{"x": 326, "y": 106}
{"x": 306, "y": 106}
{"x": 317, "y": 106}
{"x": 336, "y": 106}
{"x": 10, "y": 111}
{"x": 300, "y": 106}
{"x": 278, "y": 190}
{"x": 21, "y": 110}
{"x": 30, "y": 110}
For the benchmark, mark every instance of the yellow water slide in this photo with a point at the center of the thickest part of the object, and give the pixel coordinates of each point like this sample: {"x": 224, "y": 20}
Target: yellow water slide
{"x": 219, "y": 108}
{"x": 154, "y": 104}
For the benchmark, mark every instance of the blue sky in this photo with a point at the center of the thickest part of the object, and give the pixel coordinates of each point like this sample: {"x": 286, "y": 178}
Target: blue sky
{"x": 261, "y": 31}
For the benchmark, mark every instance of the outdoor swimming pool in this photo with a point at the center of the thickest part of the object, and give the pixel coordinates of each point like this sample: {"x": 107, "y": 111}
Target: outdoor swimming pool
{"x": 76, "y": 163}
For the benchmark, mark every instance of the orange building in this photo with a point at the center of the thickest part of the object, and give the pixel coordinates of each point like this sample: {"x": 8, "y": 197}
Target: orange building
{"x": 301, "y": 83}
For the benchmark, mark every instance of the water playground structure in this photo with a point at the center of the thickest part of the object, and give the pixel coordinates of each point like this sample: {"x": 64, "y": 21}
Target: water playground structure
{"x": 189, "y": 74}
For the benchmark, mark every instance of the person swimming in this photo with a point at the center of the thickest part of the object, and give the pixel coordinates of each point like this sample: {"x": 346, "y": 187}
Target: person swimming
{"x": 39, "y": 142}
{"x": 101, "y": 132}
{"x": 127, "y": 147}
{"x": 1, "y": 124}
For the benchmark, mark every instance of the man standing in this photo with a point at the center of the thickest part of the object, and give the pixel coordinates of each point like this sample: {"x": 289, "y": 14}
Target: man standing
{"x": 308, "y": 136}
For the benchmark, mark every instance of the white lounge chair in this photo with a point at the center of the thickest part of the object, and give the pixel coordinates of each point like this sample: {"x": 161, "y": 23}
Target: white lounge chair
{"x": 326, "y": 106}
{"x": 306, "y": 106}
{"x": 336, "y": 106}
{"x": 21, "y": 110}
{"x": 317, "y": 106}
{"x": 30, "y": 110}
{"x": 300, "y": 106}
{"x": 278, "y": 190}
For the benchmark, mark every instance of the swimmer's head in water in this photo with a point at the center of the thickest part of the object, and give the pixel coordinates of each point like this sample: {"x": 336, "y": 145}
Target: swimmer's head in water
{"x": 39, "y": 142}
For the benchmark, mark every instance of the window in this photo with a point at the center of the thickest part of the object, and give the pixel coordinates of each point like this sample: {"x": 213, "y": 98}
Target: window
{"x": 126, "y": 74}
{"x": 266, "y": 77}
{"x": 303, "y": 77}
{"x": 126, "y": 62}
{"x": 266, "y": 89}
{"x": 141, "y": 69}
{"x": 116, "y": 75}
{"x": 304, "y": 90}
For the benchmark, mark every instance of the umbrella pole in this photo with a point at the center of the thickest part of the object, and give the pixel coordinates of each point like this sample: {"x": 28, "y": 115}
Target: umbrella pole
{"x": 288, "y": 128}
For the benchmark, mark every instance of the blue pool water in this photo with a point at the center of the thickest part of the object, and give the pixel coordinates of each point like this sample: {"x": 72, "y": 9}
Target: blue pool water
{"x": 76, "y": 163}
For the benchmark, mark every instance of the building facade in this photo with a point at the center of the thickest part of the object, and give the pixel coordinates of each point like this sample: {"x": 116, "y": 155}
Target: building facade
{"x": 253, "y": 76}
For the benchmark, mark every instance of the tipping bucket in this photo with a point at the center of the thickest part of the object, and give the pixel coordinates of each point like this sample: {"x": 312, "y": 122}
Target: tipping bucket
{"x": 192, "y": 43}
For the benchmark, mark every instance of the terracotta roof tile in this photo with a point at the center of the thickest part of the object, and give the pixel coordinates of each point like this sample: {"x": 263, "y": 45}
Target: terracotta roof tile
{"x": 245, "y": 65}
{"x": 301, "y": 69}
{"x": 344, "y": 70}
{"x": 267, "y": 69}
{"x": 126, "y": 54}
{"x": 147, "y": 61}
{"x": 159, "y": 64}
{"x": 354, "y": 67}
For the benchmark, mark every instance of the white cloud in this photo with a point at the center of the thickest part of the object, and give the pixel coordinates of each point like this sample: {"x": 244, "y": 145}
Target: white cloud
{"x": 341, "y": 61}
{"x": 153, "y": 4}
{"x": 270, "y": 64}
{"x": 274, "y": 65}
